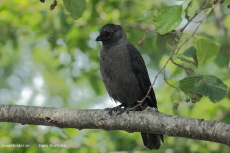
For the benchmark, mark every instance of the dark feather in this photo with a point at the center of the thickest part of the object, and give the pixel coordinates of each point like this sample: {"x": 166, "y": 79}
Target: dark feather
{"x": 141, "y": 73}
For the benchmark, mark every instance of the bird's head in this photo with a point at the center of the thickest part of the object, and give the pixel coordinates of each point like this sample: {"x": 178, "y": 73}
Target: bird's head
{"x": 110, "y": 34}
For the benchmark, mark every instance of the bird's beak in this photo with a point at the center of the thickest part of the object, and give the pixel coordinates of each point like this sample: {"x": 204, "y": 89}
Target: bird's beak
{"x": 102, "y": 37}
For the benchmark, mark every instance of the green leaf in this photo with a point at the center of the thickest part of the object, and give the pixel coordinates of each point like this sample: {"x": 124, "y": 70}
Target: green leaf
{"x": 189, "y": 55}
{"x": 147, "y": 14}
{"x": 205, "y": 49}
{"x": 173, "y": 39}
{"x": 168, "y": 19}
{"x": 211, "y": 86}
{"x": 162, "y": 40}
{"x": 75, "y": 7}
{"x": 187, "y": 84}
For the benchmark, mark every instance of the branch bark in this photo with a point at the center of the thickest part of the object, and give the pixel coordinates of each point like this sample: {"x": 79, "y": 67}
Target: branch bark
{"x": 149, "y": 121}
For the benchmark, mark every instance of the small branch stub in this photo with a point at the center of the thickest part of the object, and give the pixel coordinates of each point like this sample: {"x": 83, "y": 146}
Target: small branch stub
{"x": 50, "y": 119}
{"x": 53, "y": 5}
{"x": 176, "y": 105}
{"x": 140, "y": 42}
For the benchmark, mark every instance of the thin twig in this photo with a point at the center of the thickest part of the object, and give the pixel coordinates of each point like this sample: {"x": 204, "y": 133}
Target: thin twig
{"x": 195, "y": 14}
{"x": 157, "y": 76}
{"x": 185, "y": 68}
{"x": 200, "y": 22}
{"x": 178, "y": 90}
{"x": 175, "y": 47}
{"x": 146, "y": 32}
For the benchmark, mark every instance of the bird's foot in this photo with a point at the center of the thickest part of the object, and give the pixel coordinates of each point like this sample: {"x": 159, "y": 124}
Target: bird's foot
{"x": 118, "y": 109}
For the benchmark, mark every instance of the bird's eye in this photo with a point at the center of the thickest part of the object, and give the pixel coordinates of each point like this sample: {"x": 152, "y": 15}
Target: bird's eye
{"x": 110, "y": 34}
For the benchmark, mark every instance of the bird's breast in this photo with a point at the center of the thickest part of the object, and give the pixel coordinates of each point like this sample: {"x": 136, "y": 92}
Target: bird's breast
{"x": 118, "y": 76}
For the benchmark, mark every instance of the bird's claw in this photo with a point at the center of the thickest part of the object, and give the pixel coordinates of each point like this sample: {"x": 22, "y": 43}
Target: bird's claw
{"x": 122, "y": 111}
{"x": 118, "y": 109}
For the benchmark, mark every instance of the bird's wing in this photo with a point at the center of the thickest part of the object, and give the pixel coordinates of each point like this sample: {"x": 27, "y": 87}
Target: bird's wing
{"x": 141, "y": 73}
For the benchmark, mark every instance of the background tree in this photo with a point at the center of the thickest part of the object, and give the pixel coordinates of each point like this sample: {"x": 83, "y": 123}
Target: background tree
{"x": 50, "y": 59}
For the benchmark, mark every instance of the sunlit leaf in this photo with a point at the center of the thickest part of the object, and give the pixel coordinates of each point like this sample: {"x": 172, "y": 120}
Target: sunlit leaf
{"x": 205, "y": 49}
{"x": 168, "y": 19}
{"x": 75, "y": 7}
{"x": 147, "y": 14}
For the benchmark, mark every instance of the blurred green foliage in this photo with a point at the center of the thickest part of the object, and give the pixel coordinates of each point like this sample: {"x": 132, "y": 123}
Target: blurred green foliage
{"x": 49, "y": 59}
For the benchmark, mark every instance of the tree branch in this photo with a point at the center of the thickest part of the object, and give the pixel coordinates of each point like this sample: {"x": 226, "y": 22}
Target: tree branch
{"x": 174, "y": 52}
{"x": 149, "y": 121}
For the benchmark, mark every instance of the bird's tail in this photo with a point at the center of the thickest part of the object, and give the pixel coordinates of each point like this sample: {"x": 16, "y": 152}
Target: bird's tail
{"x": 152, "y": 141}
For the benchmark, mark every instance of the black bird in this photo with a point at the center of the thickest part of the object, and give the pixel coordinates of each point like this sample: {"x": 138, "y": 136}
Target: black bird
{"x": 125, "y": 76}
